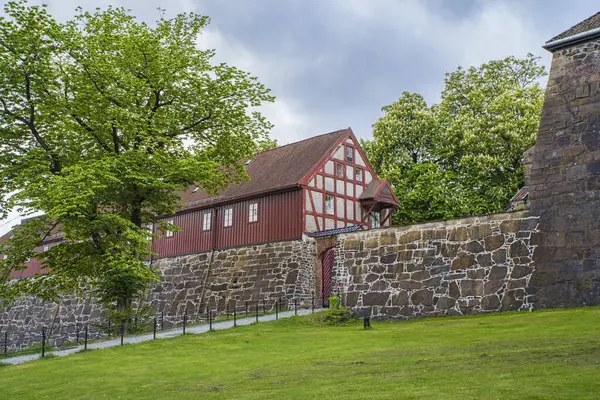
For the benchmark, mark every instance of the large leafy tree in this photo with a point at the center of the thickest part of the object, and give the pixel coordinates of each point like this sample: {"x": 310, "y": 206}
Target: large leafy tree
{"x": 103, "y": 119}
{"x": 462, "y": 156}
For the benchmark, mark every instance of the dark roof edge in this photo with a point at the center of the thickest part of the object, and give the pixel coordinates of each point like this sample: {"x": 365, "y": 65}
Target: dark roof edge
{"x": 580, "y": 37}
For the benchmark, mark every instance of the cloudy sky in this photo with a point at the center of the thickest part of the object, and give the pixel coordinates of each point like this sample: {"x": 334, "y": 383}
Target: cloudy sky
{"x": 335, "y": 63}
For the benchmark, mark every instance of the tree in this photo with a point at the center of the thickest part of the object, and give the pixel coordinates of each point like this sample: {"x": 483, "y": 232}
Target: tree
{"x": 464, "y": 155}
{"x": 103, "y": 120}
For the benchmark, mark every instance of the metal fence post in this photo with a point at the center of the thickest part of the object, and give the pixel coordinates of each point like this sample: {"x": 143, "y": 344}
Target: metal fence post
{"x": 154, "y": 330}
{"x": 257, "y": 311}
{"x": 85, "y": 338}
{"x": 184, "y": 321}
{"x": 77, "y": 333}
{"x": 234, "y": 316}
{"x": 5, "y": 342}
{"x": 246, "y": 308}
{"x": 276, "y": 309}
{"x": 264, "y": 310}
{"x": 210, "y": 320}
{"x": 109, "y": 329}
{"x": 43, "y": 341}
{"x": 122, "y": 332}
{"x": 312, "y": 302}
{"x": 162, "y": 321}
{"x": 295, "y": 306}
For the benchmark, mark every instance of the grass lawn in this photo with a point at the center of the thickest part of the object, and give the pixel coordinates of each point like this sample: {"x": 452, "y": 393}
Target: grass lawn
{"x": 540, "y": 355}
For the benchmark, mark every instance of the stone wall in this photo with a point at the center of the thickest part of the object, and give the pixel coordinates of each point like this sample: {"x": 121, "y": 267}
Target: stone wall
{"x": 281, "y": 270}
{"x": 565, "y": 181}
{"x": 464, "y": 266}
{"x": 274, "y": 271}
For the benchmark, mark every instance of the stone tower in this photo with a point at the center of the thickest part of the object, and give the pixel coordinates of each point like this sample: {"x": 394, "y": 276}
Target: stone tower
{"x": 565, "y": 173}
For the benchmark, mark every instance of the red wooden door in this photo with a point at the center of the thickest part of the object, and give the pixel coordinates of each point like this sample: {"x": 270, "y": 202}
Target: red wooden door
{"x": 328, "y": 260}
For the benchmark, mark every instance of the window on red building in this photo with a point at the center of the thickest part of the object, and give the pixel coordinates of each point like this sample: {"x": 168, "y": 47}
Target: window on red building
{"x": 228, "y": 220}
{"x": 349, "y": 154}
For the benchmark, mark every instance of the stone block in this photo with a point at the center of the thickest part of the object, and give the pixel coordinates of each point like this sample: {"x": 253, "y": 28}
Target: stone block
{"x": 493, "y": 242}
{"x": 420, "y": 275}
{"x": 490, "y": 303}
{"x": 463, "y": 261}
{"x": 380, "y": 285}
{"x": 375, "y": 298}
{"x": 458, "y": 235}
{"x": 351, "y": 244}
{"x": 520, "y": 271}
{"x": 400, "y": 298}
{"x": 479, "y": 231}
{"x": 471, "y": 287}
{"x": 445, "y": 303}
{"x": 372, "y": 243}
{"x": 484, "y": 259}
{"x": 423, "y": 297}
{"x": 388, "y": 258}
{"x": 409, "y": 285}
{"x": 474, "y": 247}
{"x": 449, "y": 249}
{"x": 351, "y": 299}
{"x": 513, "y": 300}
{"x": 518, "y": 249}
{"x": 478, "y": 273}
{"x": 409, "y": 237}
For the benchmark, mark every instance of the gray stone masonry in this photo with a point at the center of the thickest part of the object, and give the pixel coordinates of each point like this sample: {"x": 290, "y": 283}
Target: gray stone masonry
{"x": 464, "y": 266}
{"x": 565, "y": 181}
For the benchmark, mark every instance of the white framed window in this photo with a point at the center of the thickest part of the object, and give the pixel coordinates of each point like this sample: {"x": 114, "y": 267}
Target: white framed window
{"x": 253, "y": 212}
{"x": 359, "y": 174}
{"x": 375, "y": 220}
{"x": 228, "y": 217}
{"x": 328, "y": 204}
{"x": 339, "y": 170}
{"x": 169, "y": 232}
{"x": 349, "y": 154}
{"x": 206, "y": 218}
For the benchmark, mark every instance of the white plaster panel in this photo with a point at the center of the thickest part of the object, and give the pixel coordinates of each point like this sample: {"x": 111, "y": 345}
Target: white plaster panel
{"x": 318, "y": 200}
{"x": 349, "y": 189}
{"x": 340, "y": 224}
{"x": 311, "y": 183}
{"x": 340, "y": 207}
{"x": 358, "y": 214}
{"x": 339, "y": 186}
{"x": 329, "y": 223}
{"x": 319, "y": 181}
{"x": 359, "y": 160}
{"x": 349, "y": 172}
{"x": 311, "y": 223}
{"x": 349, "y": 209}
{"x": 329, "y": 184}
{"x": 359, "y": 190}
{"x": 368, "y": 177}
{"x": 307, "y": 205}
{"x": 329, "y": 167}
{"x": 349, "y": 141}
{"x": 339, "y": 153}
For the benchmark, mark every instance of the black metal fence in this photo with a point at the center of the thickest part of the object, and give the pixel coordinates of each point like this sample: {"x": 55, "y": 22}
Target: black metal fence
{"x": 54, "y": 338}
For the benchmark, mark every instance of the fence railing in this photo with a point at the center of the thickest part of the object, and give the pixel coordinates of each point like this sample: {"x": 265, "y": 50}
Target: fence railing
{"x": 52, "y": 338}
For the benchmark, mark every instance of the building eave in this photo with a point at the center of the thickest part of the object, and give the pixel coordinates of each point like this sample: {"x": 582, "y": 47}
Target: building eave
{"x": 568, "y": 41}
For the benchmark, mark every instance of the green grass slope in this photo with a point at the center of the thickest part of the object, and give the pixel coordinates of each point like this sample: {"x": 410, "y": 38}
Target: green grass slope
{"x": 540, "y": 355}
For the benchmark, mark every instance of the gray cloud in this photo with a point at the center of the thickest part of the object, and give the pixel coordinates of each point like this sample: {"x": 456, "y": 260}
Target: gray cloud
{"x": 335, "y": 63}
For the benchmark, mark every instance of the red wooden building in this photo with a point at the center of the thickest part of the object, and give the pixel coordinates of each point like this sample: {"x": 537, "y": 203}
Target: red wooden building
{"x": 317, "y": 184}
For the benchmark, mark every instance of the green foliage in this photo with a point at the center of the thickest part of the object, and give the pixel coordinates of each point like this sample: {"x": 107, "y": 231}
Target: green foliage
{"x": 336, "y": 316}
{"x": 103, "y": 120}
{"x": 334, "y": 301}
{"x": 464, "y": 155}
{"x": 540, "y": 355}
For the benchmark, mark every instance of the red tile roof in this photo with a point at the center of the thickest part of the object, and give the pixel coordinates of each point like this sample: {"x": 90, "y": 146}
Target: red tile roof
{"x": 589, "y": 24}
{"x": 273, "y": 170}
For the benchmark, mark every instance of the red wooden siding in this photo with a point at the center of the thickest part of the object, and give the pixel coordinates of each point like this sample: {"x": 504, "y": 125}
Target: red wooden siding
{"x": 279, "y": 218}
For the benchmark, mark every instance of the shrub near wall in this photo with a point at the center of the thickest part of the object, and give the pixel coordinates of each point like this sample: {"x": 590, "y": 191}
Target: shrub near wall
{"x": 472, "y": 265}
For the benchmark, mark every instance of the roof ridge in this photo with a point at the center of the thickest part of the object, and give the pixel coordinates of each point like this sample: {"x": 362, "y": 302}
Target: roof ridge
{"x": 304, "y": 140}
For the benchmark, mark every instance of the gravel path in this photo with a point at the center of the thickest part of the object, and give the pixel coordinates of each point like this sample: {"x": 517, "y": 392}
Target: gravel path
{"x": 196, "y": 329}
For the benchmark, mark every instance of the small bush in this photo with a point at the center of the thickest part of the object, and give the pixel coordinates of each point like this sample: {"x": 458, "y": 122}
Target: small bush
{"x": 334, "y": 302}
{"x": 338, "y": 316}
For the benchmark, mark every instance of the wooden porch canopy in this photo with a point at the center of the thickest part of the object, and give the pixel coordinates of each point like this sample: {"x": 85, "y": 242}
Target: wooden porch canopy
{"x": 378, "y": 196}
